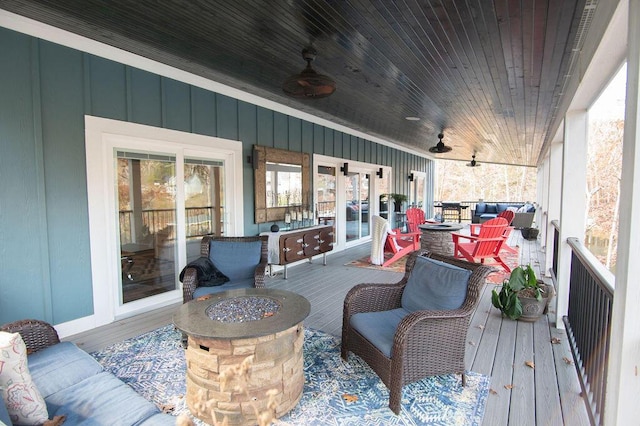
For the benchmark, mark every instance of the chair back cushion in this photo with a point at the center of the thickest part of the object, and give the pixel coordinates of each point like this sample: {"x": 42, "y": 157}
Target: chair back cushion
{"x": 235, "y": 259}
{"x": 481, "y": 208}
{"x": 435, "y": 285}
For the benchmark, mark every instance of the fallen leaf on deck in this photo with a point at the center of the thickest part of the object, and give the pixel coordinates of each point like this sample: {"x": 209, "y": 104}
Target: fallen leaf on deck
{"x": 492, "y": 392}
{"x": 530, "y": 364}
{"x": 481, "y": 327}
{"x": 472, "y": 343}
{"x": 205, "y": 297}
{"x": 268, "y": 314}
{"x": 508, "y": 387}
{"x": 567, "y": 360}
{"x": 349, "y": 398}
{"x": 555, "y": 340}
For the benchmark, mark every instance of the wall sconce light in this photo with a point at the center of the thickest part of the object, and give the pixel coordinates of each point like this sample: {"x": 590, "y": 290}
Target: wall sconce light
{"x": 410, "y": 177}
{"x": 345, "y": 169}
{"x": 380, "y": 172}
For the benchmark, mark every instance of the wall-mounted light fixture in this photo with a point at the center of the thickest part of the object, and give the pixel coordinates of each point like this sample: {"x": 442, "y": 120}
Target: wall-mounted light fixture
{"x": 380, "y": 173}
{"x": 345, "y": 169}
{"x": 410, "y": 177}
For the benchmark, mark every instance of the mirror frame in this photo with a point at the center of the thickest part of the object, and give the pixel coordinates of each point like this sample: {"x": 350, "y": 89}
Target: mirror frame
{"x": 264, "y": 154}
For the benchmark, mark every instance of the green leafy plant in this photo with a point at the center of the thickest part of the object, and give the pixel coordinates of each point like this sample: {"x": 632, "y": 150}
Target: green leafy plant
{"x": 398, "y": 198}
{"x": 522, "y": 281}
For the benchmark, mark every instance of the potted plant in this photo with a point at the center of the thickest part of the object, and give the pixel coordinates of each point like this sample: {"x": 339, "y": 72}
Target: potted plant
{"x": 523, "y": 296}
{"x": 398, "y": 199}
{"x": 529, "y": 233}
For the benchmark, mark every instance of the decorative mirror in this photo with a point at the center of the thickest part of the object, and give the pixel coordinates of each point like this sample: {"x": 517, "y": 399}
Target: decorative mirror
{"x": 281, "y": 181}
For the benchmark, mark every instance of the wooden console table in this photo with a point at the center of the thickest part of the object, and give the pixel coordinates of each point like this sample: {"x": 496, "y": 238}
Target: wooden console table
{"x": 291, "y": 246}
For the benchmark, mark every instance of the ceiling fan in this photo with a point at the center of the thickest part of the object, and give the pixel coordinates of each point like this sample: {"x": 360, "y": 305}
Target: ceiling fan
{"x": 440, "y": 147}
{"x": 473, "y": 162}
{"x": 308, "y": 83}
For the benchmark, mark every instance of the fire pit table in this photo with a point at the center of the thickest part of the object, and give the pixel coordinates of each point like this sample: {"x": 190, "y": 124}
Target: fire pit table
{"x": 244, "y": 354}
{"x": 436, "y": 237}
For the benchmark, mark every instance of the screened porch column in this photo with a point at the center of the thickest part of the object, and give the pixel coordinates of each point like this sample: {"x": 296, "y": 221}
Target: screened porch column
{"x": 573, "y": 203}
{"x": 623, "y": 374}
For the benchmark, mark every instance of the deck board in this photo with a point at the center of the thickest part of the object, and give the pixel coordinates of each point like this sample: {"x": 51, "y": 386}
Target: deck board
{"x": 496, "y": 347}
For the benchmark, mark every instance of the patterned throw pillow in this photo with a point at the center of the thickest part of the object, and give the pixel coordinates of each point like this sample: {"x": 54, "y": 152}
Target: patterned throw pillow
{"x": 24, "y": 403}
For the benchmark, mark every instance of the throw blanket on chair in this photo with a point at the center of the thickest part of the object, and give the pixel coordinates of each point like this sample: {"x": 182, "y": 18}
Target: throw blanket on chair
{"x": 208, "y": 275}
{"x": 378, "y": 237}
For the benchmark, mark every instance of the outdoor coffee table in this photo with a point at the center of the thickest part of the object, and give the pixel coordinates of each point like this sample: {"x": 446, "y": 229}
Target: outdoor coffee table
{"x": 436, "y": 237}
{"x": 244, "y": 354}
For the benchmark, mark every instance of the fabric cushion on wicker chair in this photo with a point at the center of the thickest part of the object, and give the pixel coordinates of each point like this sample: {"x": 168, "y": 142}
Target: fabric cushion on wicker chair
{"x": 236, "y": 260}
{"x": 435, "y": 285}
{"x": 379, "y": 327}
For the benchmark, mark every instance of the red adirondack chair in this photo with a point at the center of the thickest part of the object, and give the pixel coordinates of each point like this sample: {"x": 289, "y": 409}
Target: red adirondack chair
{"x": 509, "y": 216}
{"x": 415, "y": 217}
{"x": 389, "y": 245}
{"x": 486, "y": 244}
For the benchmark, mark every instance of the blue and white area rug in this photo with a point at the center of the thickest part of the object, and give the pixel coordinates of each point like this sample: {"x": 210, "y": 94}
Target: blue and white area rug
{"x": 154, "y": 365}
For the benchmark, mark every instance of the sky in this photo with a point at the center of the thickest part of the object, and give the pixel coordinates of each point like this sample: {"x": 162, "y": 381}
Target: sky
{"x": 610, "y": 104}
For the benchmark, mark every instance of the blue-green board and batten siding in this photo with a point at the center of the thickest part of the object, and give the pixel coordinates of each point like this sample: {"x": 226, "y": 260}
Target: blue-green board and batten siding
{"x": 45, "y": 91}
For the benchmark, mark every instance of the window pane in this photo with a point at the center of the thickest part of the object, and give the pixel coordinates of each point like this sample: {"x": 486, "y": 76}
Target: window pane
{"x": 146, "y": 212}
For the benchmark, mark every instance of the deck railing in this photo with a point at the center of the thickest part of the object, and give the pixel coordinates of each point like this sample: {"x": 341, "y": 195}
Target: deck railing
{"x": 588, "y": 324}
{"x": 199, "y": 222}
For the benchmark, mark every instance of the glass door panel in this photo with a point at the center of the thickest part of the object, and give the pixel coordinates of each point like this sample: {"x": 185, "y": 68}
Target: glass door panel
{"x": 326, "y": 195}
{"x": 204, "y": 202}
{"x": 365, "y": 192}
{"x": 352, "y": 191}
{"x": 146, "y": 188}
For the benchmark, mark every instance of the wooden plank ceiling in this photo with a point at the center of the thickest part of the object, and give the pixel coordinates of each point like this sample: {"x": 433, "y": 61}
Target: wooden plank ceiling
{"x": 489, "y": 74}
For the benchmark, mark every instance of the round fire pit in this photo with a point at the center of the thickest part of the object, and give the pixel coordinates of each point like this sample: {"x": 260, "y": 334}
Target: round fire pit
{"x": 244, "y": 354}
{"x": 436, "y": 237}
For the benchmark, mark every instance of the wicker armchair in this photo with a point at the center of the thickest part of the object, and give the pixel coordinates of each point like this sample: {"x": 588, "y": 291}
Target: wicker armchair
{"x": 190, "y": 279}
{"x": 36, "y": 334}
{"x": 425, "y": 343}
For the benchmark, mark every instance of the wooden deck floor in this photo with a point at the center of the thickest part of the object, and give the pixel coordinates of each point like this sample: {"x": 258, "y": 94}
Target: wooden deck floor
{"x": 547, "y": 394}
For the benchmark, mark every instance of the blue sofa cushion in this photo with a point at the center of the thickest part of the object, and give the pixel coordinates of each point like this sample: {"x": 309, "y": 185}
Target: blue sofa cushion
{"x": 491, "y": 208}
{"x": 101, "y": 399}
{"x": 201, "y": 291}
{"x": 435, "y": 285}
{"x": 500, "y": 207}
{"x": 237, "y": 260}
{"x": 379, "y": 327}
{"x": 480, "y": 208}
{"x": 60, "y": 366}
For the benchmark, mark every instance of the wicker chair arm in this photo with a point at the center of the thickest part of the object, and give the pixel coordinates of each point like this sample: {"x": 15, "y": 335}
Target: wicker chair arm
{"x": 423, "y": 328}
{"x": 36, "y": 334}
{"x": 373, "y": 298}
{"x": 259, "y": 274}
{"x": 189, "y": 284}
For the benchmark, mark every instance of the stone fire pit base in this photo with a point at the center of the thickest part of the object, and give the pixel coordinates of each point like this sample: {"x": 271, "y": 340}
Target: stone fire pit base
{"x": 237, "y": 378}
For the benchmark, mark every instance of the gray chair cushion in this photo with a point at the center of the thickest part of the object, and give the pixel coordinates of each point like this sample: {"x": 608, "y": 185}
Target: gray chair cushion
{"x": 246, "y": 283}
{"x": 104, "y": 397}
{"x": 235, "y": 259}
{"x": 435, "y": 285}
{"x": 379, "y": 327}
{"x": 61, "y": 366}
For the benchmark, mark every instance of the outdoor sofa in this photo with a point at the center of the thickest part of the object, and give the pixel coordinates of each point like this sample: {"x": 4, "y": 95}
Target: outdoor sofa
{"x": 75, "y": 385}
{"x": 485, "y": 211}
